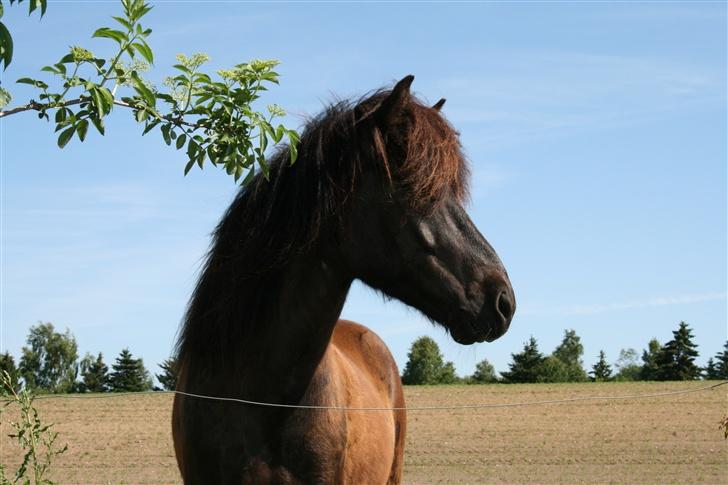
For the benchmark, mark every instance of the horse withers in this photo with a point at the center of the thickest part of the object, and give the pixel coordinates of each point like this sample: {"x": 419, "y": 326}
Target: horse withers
{"x": 376, "y": 194}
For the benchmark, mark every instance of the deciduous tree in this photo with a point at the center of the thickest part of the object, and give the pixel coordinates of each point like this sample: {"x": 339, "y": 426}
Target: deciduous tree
{"x": 484, "y": 373}
{"x": 425, "y": 364}
{"x": 650, "y": 367}
{"x": 552, "y": 369}
{"x": 628, "y": 366}
{"x": 212, "y": 115}
{"x": 49, "y": 362}
{"x": 570, "y": 352}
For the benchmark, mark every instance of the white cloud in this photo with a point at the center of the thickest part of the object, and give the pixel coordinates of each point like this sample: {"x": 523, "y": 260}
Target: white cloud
{"x": 593, "y": 309}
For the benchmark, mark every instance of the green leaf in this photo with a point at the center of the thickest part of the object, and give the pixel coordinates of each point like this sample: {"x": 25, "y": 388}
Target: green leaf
{"x": 98, "y": 102}
{"x": 123, "y": 22}
{"x": 108, "y": 33}
{"x": 248, "y": 177}
{"x": 143, "y": 49}
{"x": 107, "y": 97}
{"x": 60, "y": 115}
{"x": 81, "y": 129}
{"x": 143, "y": 90}
{"x": 182, "y": 68}
{"x": 6, "y": 46}
{"x": 192, "y": 148}
{"x": 150, "y": 126}
{"x": 165, "y": 134}
{"x": 68, "y": 58}
{"x": 189, "y": 166}
{"x": 99, "y": 124}
{"x": 181, "y": 141}
{"x": 65, "y": 136}
{"x": 26, "y": 80}
{"x": 293, "y": 141}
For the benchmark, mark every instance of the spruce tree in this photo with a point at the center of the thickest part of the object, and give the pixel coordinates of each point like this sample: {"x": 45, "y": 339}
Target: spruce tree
{"x": 129, "y": 374}
{"x": 722, "y": 363}
{"x": 676, "y": 360}
{"x": 524, "y": 367}
{"x": 710, "y": 371}
{"x": 7, "y": 364}
{"x": 95, "y": 374}
{"x": 168, "y": 377}
{"x": 601, "y": 371}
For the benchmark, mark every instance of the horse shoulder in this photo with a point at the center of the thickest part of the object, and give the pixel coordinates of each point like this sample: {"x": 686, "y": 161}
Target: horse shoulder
{"x": 372, "y": 380}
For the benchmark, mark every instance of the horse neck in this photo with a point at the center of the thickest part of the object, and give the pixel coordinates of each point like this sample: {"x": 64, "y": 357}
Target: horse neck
{"x": 271, "y": 352}
{"x": 307, "y": 307}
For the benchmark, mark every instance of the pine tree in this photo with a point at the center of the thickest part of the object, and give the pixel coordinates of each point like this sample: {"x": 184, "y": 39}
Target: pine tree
{"x": 7, "y": 364}
{"x": 129, "y": 374}
{"x": 601, "y": 371}
{"x": 676, "y": 360}
{"x": 95, "y": 374}
{"x": 524, "y": 367}
{"x": 710, "y": 371}
{"x": 722, "y": 362}
{"x": 650, "y": 367}
{"x": 168, "y": 377}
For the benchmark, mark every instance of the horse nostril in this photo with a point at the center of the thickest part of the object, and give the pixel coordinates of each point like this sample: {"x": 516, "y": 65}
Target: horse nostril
{"x": 505, "y": 305}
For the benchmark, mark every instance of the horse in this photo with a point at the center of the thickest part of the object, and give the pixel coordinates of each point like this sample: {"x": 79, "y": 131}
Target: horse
{"x": 376, "y": 194}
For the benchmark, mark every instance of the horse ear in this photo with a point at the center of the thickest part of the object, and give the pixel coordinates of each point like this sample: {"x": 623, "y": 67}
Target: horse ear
{"x": 437, "y": 106}
{"x": 393, "y": 104}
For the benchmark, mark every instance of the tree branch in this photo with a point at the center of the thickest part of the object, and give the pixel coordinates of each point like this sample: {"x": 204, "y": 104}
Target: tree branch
{"x": 35, "y": 106}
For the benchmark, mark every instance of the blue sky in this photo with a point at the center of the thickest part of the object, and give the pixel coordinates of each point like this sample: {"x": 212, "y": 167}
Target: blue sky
{"x": 596, "y": 133}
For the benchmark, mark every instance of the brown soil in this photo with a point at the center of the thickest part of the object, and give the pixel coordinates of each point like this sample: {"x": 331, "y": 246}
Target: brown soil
{"x": 671, "y": 439}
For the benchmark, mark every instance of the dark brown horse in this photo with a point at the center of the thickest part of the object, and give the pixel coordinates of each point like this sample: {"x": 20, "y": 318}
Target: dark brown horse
{"x": 376, "y": 194}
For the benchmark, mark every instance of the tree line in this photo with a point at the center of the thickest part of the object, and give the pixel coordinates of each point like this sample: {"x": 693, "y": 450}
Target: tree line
{"x": 49, "y": 363}
{"x": 672, "y": 361}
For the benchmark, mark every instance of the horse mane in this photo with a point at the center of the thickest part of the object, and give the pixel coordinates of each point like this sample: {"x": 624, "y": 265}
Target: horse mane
{"x": 271, "y": 221}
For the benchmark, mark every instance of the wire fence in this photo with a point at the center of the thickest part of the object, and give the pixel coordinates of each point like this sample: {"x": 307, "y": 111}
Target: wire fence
{"x": 404, "y": 408}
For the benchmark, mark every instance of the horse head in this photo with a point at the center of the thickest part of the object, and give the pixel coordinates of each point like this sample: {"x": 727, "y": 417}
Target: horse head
{"x": 408, "y": 234}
